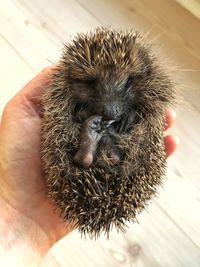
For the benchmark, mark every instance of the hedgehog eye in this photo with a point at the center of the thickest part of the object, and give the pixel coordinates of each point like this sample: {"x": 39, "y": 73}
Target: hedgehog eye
{"x": 81, "y": 110}
{"x": 91, "y": 82}
{"x": 129, "y": 81}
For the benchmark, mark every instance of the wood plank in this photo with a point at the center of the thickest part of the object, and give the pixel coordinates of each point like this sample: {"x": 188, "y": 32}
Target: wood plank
{"x": 192, "y": 5}
{"x": 180, "y": 196}
{"x": 181, "y": 27}
{"x": 15, "y": 72}
{"x": 62, "y": 19}
{"x": 187, "y": 158}
{"x": 180, "y": 200}
{"x": 28, "y": 40}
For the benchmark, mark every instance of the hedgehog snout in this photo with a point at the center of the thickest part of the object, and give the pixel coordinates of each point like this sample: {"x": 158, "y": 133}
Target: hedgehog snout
{"x": 111, "y": 111}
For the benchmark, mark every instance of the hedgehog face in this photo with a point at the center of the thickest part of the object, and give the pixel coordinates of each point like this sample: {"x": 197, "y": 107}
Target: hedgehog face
{"x": 110, "y": 99}
{"x": 106, "y": 73}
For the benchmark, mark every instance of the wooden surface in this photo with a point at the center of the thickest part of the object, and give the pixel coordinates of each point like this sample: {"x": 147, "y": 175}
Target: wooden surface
{"x": 168, "y": 234}
{"x": 192, "y": 5}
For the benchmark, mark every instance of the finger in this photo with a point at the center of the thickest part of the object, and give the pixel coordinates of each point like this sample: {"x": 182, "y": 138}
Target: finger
{"x": 171, "y": 144}
{"x": 29, "y": 97}
{"x": 169, "y": 119}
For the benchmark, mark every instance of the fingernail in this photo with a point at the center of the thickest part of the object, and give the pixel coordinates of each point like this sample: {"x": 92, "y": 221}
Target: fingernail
{"x": 177, "y": 140}
{"x": 173, "y": 113}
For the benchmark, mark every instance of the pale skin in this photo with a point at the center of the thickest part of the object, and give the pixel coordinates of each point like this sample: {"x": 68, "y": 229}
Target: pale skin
{"x": 29, "y": 224}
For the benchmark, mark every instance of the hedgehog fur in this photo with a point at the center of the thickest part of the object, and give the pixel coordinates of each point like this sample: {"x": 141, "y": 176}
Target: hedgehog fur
{"x": 114, "y": 67}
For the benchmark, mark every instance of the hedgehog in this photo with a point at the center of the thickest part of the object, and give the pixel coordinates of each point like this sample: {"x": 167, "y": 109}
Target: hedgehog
{"x": 102, "y": 145}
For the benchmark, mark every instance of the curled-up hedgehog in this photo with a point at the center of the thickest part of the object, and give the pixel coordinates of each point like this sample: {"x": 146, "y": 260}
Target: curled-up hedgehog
{"x": 102, "y": 130}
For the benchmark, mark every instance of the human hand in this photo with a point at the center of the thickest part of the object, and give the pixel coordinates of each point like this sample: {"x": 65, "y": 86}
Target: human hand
{"x": 27, "y": 217}
{"x": 25, "y": 208}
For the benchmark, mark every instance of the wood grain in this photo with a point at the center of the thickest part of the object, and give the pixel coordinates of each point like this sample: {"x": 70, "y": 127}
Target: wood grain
{"x": 14, "y": 72}
{"x": 193, "y": 6}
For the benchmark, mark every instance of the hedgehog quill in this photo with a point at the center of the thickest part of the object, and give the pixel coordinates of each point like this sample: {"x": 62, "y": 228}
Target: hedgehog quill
{"x": 102, "y": 129}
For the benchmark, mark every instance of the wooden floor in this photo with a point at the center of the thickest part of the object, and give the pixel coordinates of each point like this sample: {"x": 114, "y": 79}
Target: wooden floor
{"x": 31, "y": 33}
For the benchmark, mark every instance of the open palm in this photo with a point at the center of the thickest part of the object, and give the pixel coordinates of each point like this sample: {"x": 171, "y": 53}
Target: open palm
{"x": 22, "y": 187}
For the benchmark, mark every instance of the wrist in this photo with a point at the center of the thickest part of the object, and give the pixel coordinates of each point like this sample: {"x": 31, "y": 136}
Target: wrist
{"x": 22, "y": 242}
